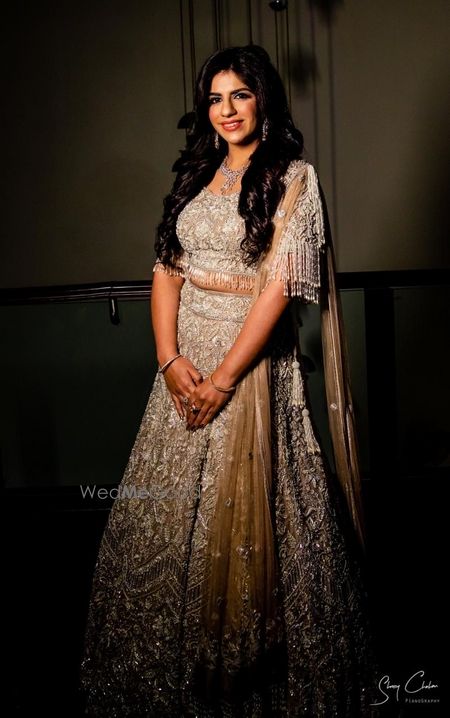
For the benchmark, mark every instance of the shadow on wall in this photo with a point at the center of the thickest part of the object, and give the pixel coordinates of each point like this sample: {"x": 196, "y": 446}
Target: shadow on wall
{"x": 303, "y": 64}
{"x": 328, "y": 8}
{"x": 423, "y": 187}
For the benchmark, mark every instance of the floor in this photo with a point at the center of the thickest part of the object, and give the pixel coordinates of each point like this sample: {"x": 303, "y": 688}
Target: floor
{"x": 52, "y": 543}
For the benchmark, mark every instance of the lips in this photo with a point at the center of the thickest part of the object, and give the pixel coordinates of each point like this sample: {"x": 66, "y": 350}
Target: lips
{"x": 230, "y": 126}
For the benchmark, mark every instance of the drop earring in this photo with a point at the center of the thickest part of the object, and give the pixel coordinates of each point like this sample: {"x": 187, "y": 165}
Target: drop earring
{"x": 216, "y": 140}
{"x": 265, "y": 127}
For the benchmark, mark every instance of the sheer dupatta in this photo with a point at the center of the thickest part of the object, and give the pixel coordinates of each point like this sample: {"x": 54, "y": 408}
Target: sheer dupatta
{"x": 242, "y": 628}
{"x": 341, "y": 417}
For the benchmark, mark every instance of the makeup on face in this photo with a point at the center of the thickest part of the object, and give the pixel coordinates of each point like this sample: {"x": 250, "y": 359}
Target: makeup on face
{"x": 232, "y": 107}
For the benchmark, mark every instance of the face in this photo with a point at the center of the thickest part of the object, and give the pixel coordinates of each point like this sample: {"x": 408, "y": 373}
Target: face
{"x": 232, "y": 108}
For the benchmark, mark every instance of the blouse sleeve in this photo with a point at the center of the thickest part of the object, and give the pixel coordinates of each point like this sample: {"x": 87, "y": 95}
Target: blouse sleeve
{"x": 297, "y": 259}
{"x": 178, "y": 270}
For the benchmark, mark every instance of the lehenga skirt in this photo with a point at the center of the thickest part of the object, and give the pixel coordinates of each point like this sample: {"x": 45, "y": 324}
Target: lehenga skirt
{"x": 144, "y": 622}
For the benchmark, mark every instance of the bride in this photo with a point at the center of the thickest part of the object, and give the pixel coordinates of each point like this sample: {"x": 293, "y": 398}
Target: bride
{"x": 228, "y": 581}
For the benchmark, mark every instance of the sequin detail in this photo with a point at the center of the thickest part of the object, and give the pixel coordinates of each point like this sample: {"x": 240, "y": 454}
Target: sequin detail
{"x": 143, "y": 629}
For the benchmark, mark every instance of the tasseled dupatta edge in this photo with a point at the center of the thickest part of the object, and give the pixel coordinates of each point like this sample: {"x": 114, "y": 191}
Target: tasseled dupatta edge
{"x": 297, "y": 260}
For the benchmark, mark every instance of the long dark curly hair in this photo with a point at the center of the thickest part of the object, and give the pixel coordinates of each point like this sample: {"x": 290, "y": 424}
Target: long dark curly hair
{"x": 261, "y": 187}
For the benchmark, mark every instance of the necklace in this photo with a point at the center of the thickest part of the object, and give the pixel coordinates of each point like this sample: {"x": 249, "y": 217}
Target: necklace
{"x": 231, "y": 175}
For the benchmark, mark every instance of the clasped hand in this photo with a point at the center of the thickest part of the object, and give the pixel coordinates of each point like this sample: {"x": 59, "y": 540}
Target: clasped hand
{"x": 184, "y": 380}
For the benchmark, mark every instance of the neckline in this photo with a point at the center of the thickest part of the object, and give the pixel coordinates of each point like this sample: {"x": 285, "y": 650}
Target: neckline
{"x": 215, "y": 194}
{"x": 290, "y": 168}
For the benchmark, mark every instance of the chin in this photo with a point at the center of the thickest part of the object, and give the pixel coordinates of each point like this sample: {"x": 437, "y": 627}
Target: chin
{"x": 238, "y": 139}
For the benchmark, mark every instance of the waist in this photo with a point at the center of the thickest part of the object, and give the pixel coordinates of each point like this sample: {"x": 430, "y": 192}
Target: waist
{"x": 212, "y": 304}
{"x": 220, "y": 280}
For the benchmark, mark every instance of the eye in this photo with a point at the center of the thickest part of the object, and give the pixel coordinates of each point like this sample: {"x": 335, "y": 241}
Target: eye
{"x": 242, "y": 96}
{"x": 213, "y": 100}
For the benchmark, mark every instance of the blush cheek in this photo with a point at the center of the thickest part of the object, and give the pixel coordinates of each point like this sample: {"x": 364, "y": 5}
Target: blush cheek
{"x": 212, "y": 116}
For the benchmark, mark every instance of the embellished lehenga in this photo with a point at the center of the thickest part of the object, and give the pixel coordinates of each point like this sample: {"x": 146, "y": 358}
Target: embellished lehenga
{"x": 145, "y": 643}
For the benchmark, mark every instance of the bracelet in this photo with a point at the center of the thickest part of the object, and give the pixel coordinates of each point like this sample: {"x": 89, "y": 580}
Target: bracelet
{"x": 169, "y": 361}
{"x": 220, "y": 388}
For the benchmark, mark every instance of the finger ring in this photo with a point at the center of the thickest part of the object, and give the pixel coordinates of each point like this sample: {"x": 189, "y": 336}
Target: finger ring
{"x": 185, "y": 400}
{"x": 194, "y": 409}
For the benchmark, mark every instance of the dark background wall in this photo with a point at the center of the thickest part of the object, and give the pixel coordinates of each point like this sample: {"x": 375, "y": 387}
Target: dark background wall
{"x": 93, "y": 93}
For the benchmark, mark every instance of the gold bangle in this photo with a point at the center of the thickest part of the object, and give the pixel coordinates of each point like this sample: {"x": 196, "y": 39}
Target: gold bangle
{"x": 220, "y": 388}
{"x": 165, "y": 366}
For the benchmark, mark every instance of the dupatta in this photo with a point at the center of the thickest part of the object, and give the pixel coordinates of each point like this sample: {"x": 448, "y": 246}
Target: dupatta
{"x": 241, "y": 622}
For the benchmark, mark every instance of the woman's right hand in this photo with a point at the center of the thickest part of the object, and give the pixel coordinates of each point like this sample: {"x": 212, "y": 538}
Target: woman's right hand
{"x": 181, "y": 378}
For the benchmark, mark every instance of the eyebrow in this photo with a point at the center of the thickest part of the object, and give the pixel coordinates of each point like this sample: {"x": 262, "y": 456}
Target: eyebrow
{"x": 239, "y": 89}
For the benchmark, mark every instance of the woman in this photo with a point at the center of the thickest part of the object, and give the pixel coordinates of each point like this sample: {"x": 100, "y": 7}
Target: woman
{"x": 226, "y": 583}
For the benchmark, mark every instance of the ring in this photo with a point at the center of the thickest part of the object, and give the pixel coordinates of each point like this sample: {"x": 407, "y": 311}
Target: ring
{"x": 194, "y": 409}
{"x": 185, "y": 400}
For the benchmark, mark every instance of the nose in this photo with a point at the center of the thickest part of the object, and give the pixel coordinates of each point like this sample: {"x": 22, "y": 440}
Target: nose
{"x": 228, "y": 108}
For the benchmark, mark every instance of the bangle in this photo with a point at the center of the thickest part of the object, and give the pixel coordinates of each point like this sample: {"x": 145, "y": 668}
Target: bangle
{"x": 220, "y": 388}
{"x": 169, "y": 361}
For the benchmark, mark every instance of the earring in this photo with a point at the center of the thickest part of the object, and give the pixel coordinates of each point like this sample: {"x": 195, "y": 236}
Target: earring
{"x": 265, "y": 128}
{"x": 216, "y": 140}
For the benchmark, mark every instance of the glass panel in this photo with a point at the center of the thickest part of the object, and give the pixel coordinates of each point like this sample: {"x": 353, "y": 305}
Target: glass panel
{"x": 422, "y": 369}
{"x": 74, "y": 389}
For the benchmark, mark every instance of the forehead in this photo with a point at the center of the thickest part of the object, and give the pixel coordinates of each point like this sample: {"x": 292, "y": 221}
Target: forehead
{"x": 226, "y": 81}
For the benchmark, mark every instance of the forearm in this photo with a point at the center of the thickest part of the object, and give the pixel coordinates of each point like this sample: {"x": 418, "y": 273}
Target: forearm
{"x": 165, "y": 301}
{"x": 254, "y": 335}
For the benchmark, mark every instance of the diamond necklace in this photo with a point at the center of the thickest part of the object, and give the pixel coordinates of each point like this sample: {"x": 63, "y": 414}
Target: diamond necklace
{"x": 231, "y": 175}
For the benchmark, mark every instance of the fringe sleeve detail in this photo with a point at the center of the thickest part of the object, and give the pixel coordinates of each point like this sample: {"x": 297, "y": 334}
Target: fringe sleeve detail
{"x": 176, "y": 270}
{"x": 297, "y": 259}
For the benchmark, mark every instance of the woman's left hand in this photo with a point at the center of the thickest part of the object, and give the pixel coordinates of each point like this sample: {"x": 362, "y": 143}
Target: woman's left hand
{"x": 208, "y": 400}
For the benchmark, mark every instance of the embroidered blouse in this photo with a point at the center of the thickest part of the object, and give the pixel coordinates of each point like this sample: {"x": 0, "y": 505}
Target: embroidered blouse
{"x": 210, "y": 231}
